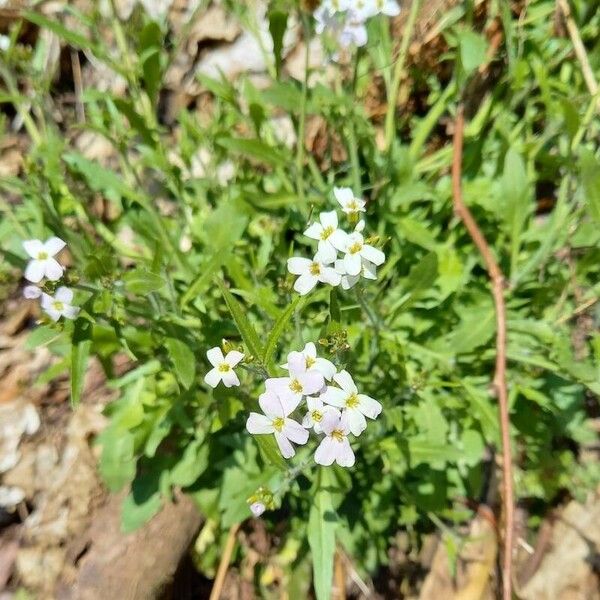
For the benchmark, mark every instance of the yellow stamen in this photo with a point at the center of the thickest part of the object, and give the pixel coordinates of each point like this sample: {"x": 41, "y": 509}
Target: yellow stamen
{"x": 338, "y": 435}
{"x": 58, "y": 305}
{"x": 355, "y": 248}
{"x": 278, "y": 423}
{"x": 315, "y": 269}
{"x": 316, "y": 416}
{"x": 224, "y": 367}
{"x": 310, "y": 361}
{"x": 43, "y": 255}
{"x": 352, "y": 401}
{"x": 296, "y": 386}
{"x": 327, "y": 232}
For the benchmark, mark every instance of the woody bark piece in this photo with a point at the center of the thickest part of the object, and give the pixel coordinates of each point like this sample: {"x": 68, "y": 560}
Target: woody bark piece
{"x": 135, "y": 566}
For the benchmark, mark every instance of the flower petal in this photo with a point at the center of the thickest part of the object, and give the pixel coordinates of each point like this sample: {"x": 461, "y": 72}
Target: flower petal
{"x": 286, "y": 448}
{"x": 31, "y": 292}
{"x": 314, "y": 231}
{"x": 270, "y": 404}
{"x": 369, "y": 406}
{"x": 33, "y": 247}
{"x": 352, "y": 264}
{"x": 215, "y": 356}
{"x": 338, "y": 239}
{"x": 312, "y": 381}
{"x": 46, "y": 301}
{"x": 335, "y": 397}
{"x": 305, "y": 283}
{"x": 310, "y": 350}
{"x": 326, "y": 253}
{"x": 329, "y": 219}
{"x": 70, "y": 312}
{"x": 53, "y": 313}
{"x": 314, "y": 403}
{"x": 296, "y": 362}
{"x": 369, "y": 270}
{"x": 64, "y": 294}
{"x": 54, "y": 245}
{"x": 233, "y": 358}
{"x": 330, "y": 276}
{"x": 230, "y": 378}
{"x": 345, "y": 455}
{"x": 34, "y": 271}
{"x": 298, "y": 265}
{"x": 349, "y": 281}
{"x": 325, "y": 367}
{"x": 356, "y": 421}
{"x": 343, "y": 195}
{"x": 52, "y": 269}
{"x": 345, "y": 381}
{"x": 326, "y": 452}
{"x": 295, "y": 432}
{"x": 259, "y": 424}
{"x": 330, "y": 421}
{"x": 374, "y": 255}
{"x": 307, "y": 420}
{"x": 213, "y": 377}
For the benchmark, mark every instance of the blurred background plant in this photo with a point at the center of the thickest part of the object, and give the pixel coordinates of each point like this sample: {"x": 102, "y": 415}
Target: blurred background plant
{"x": 183, "y": 181}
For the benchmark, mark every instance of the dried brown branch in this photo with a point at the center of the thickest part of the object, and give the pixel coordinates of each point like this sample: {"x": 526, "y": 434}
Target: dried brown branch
{"x": 497, "y": 284}
{"x": 217, "y": 588}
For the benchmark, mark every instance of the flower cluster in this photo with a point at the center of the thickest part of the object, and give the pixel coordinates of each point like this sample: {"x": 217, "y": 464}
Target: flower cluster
{"x": 345, "y": 19}
{"x": 331, "y": 411}
{"x": 43, "y": 264}
{"x": 359, "y": 258}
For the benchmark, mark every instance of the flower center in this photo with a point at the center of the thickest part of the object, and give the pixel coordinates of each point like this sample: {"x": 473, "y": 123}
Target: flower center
{"x": 315, "y": 269}
{"x": 355, "y": 248}
{"x": 43, "y": 255}
{"x": 224, "y": 367}
{"x": 316, "y": 416}
{"x": 338, "y": 434}
{"x": 353, "y": 204}
{"x": 352, "y": 401}
{"x": 278, "y": 423}
{"x": 296, "y": 386}
{"x": 58, "y": 305}
{"x": 310, "y": 361}
{"x": 327, "y": 232}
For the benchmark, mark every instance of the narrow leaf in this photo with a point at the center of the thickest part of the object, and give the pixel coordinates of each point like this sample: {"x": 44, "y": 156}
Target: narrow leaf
{"x": 279, "y": 328}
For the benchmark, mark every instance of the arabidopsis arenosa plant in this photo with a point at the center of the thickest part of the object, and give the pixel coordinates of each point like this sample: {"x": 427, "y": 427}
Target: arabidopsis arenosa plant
{"x": 324, "y": 366}
{"x": 59, "y": 305}
{"x": 356, "y": 250}
{"x": 42, "y": 263}
{"x": 356, "y": 406}
{"x": 335, "y": 447}
{"x": 348, "y": 201}
{"x": 276, "y": 420}
{"x": 331, "y": 239}
{"x": 310, "y": 273}
{"x": 222, "y": 367}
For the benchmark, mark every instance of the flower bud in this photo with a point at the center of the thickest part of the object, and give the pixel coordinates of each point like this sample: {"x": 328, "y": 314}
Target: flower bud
{"x": 257, "y": 508}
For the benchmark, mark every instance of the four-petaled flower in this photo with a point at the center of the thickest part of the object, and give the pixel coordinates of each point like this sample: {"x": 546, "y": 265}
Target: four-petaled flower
{"x": 276, "y": 420}
{"x": 223, "y": 367}
{"x": 302, "y": 381}
{"x": 59, "y": 305}
{"x": 356, "y": 406}
{"x": 349, "y": 203}
{"x": 331, "y": 239}
{"x": 310, "y": 272}
{"x": 324, "y": 366}
{"x": 316, "y": 411}
{"x": 368, "y": 271}
{"x": 42, "y": 263}
{"x": 356, "y": 250}
{"x": 335, "y": 445}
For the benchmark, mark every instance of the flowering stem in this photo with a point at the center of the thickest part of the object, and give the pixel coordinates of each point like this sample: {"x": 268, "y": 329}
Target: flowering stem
{"x": 398, "y": 72}
{"x": 375, "y": 320}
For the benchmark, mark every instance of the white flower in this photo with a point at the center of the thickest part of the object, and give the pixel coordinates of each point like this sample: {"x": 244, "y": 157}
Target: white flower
{"x": 31, "y": 292}
{"x": 331, "y": 239}
{"x": 43, "y": 263}
{"x": 353, "y": 33}
{"x": 315, "y": 414}
{"x": 60, "y": 305}
{"x": 303, "y": 381}
{"x": 356, "y": 406}
{"x": 276, "y": 420}
{"x": 257, "y": 508}
{"x": 335, "y": 445}
{"x": 311, "y": 272}
{"x": 365, "y": 9}
{"x": 389, "y": 8}
{"x": 324, "y": 366}
{"x": 349, "y": 203}
{"x": 368, "y": 271}
{"x": 223, "y": 367}
{"x": 356, "y": 250}
{"x": 4, "y": 43}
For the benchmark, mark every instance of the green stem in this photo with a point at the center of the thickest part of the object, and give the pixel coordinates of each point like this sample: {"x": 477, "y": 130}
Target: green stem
{"x": 302, "y": 118}
{"x": 398, "y": 72}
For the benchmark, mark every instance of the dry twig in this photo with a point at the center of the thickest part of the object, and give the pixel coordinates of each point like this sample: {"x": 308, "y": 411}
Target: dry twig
{"x": 217, "y": 588}
{"x": 497, "y": 283}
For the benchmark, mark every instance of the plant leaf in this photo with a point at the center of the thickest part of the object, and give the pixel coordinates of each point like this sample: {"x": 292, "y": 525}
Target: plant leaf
{"x": 278, "y": 329}
{"x": 183, "y": 360}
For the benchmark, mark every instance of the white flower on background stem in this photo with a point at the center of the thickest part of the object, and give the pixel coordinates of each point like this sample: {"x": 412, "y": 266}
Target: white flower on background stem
{"x": 356, "y": 406}
{"x": 348, "y": 201}
{"x": 324, "y": 366}
{"x": 353, "y": 33}
{"x": 42, "y": 263}
{"x": 31, "y": 292}
{"x": 315, "y": 414}
{"x": 276, "y": 420}
{"x": 59, "y": 305}
{"x": 310, "y": 273}
{"x": 368, "y": 271}
{"x": 365, "y": 9}
{"x": 302, "y": 381}
{"x": 389, "y": 8}
{"x": 257, "y": 508}
{"x": 356, "y": 250}
{"x": 223, "y": 367}
{"x": 331, "y": 239}
{"x": 335, "y": 445}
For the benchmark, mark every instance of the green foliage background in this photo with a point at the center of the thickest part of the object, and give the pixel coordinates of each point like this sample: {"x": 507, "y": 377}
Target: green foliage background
{"x": 420, "y": 339}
